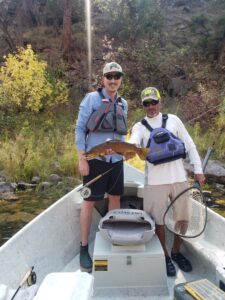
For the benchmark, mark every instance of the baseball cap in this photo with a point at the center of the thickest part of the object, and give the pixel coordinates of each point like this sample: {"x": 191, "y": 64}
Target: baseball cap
{"x": 150, "y": 93}
{"x": 112, "y": 67}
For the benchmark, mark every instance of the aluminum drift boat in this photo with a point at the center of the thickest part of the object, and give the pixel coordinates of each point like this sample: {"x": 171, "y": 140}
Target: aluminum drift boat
{"x": 50, "y": 243}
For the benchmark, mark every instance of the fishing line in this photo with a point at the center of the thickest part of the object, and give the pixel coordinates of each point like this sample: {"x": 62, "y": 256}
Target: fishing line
{"x": 121, "y": 169}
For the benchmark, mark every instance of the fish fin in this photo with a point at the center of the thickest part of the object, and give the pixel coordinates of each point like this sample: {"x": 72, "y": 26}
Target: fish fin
{"x": 87, "y": 155}
{"x": 89, "y": 158}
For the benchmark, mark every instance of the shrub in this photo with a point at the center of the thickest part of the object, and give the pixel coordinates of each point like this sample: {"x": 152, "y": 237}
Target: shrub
{"x": 26, "y": 84}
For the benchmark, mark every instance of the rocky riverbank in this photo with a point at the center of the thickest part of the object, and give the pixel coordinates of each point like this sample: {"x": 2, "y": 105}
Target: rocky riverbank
{"x": 8, "y": 189}
{"x": 215, "y": 174}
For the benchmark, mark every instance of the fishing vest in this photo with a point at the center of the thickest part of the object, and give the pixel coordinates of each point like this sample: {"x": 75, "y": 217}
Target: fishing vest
{"x": 164, "y": 145}
{"x": 109, "y": 117}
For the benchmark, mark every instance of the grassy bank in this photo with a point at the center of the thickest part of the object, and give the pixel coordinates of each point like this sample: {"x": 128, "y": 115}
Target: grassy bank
{"x": 37, "y": 145}
{"x": 41, "y": 144}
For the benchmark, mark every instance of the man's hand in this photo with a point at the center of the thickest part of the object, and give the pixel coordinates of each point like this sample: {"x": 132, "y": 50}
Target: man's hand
{"x": 109, "y": 151}
{"x": 200, "y": 178}
{"x": 83, "y": 164}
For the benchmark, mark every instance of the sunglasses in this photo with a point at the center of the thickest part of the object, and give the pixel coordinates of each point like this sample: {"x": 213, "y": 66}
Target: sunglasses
{"x": 152, "y": 102}
{"x": 113, "y": 76}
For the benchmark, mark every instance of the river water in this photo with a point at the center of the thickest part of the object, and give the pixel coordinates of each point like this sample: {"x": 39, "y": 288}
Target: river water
{"x": 30, "y": 203}
{"x": 14, "y": 215}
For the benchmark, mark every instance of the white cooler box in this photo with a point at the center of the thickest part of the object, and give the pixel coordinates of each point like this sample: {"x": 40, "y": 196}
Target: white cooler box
{"x": 130, "y": 269}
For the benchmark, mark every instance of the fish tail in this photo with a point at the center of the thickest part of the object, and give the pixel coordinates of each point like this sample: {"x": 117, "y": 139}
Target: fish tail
{"x": 142, "y": 153}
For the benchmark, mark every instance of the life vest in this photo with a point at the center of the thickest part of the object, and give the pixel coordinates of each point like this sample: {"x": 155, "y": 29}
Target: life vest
{"x": 110, "y": 117}
{"x": 164, "y": 145}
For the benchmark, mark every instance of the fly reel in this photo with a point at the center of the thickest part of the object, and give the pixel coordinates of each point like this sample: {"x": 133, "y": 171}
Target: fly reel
{"x": 85, "y": 192}
{"x": 32, "y": 279}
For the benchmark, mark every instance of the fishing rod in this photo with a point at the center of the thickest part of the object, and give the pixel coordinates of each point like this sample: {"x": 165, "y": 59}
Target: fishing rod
{"x": 30, "y": 274}
{"x": 85, "y": 191}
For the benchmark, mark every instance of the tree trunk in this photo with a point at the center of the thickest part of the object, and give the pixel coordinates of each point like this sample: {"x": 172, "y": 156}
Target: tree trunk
{"x": 221, "y": 57}
{"x": 6, "y": 34}
{"x": 67, "y": 22}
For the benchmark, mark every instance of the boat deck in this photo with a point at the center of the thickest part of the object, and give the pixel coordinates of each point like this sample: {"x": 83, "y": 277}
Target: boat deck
{"x": 199, "y": 271}
{"x": 51, "y": 241}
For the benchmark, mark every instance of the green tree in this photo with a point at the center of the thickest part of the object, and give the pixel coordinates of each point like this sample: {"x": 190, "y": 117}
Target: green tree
{"x": 26, "y": 85}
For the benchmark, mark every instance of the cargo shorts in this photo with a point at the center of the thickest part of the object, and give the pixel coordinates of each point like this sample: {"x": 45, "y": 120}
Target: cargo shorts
{"x": 158, "y": 197}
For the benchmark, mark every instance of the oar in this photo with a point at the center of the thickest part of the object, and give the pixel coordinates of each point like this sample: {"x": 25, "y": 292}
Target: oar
{"x": 25, "y": 278}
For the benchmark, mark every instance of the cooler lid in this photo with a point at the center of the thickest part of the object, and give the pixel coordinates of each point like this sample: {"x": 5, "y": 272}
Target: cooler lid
{"x": 127, "y": 227}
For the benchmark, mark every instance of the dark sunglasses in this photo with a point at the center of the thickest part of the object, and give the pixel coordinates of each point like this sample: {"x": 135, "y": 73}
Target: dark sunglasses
{"x": 113, "y": 76}
{"x": 152, "y": 102}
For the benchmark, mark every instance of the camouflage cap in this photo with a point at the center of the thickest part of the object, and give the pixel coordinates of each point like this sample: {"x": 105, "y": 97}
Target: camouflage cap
{"x": 150, "y": 93}
{"x": 112, "y": 67}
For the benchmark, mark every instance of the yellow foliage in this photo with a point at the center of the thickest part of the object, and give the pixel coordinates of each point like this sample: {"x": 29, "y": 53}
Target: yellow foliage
{"x": 25, "y": 82}
{"x": 135, "y": 161}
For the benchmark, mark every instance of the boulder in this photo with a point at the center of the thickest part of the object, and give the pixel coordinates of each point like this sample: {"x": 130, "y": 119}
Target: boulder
{"x": 6, "y": 187}
{"x": 214, "y": 172}
{"x": 54, "y": 178}
{"x": 8, "y": 196}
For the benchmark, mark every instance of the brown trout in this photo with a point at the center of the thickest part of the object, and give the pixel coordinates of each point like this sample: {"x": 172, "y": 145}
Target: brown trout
{"x": 116, "y": 146}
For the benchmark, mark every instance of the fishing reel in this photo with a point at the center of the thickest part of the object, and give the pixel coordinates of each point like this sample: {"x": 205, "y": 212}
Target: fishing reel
{"x": 32, "y": 278}
{"x": 85, "y": 192}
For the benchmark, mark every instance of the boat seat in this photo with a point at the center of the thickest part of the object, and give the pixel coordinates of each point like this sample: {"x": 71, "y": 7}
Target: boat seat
{"x": 66, "y": 286}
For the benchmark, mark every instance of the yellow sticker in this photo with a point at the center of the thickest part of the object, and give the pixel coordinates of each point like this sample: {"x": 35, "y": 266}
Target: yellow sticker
{"x": 101, "y": 265}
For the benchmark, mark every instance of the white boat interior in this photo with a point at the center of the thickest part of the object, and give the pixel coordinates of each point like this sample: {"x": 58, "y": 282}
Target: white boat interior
{"x": 51, "y": 242}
